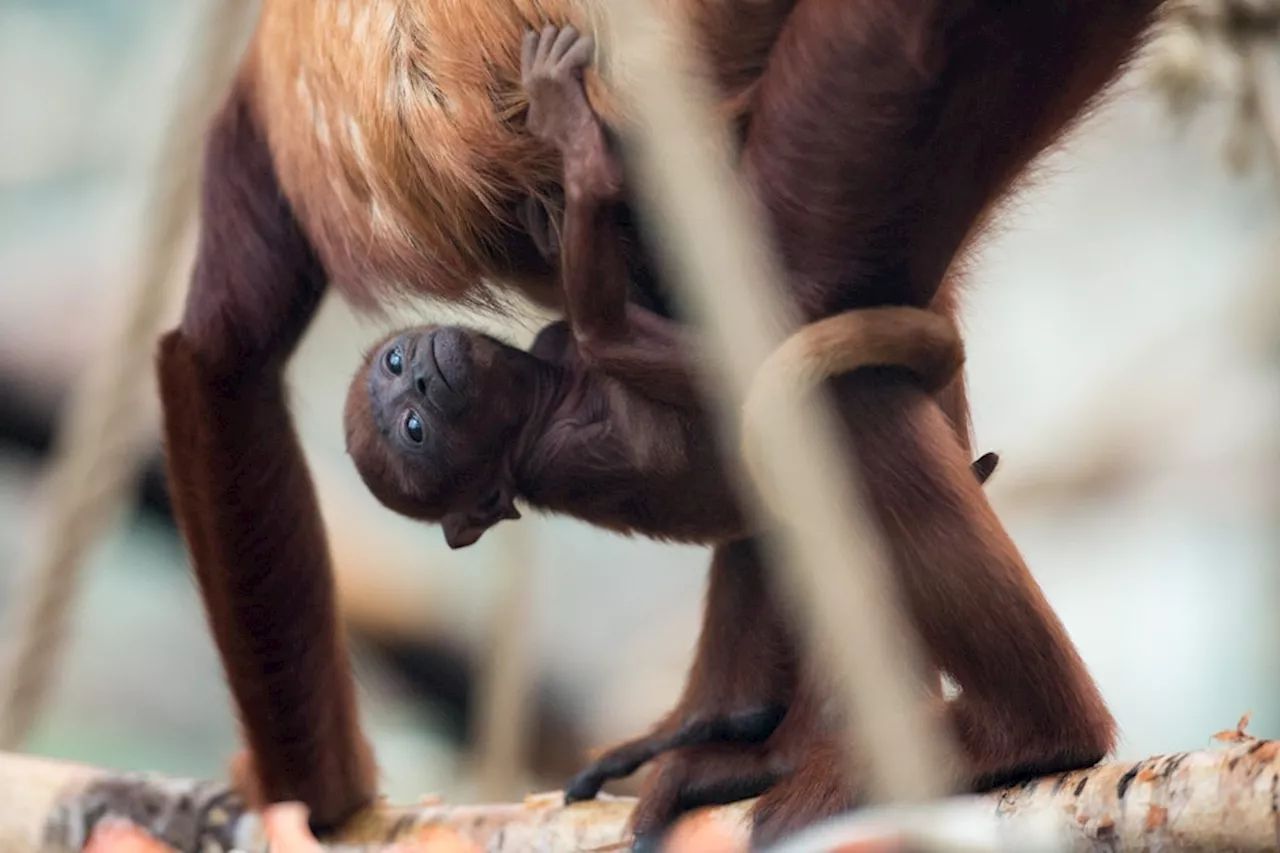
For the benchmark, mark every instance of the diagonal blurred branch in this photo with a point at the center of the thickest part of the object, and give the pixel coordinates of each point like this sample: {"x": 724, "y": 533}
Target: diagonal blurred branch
{"x": 832, "y": 560}
{"x": 100, "y": 442}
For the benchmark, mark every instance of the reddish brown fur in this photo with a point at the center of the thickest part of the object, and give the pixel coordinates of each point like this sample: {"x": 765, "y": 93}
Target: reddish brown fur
{"x": 600, "y": 419}
{"x": 1048, "y": 721}
{"x": 912, "y": 92}
{"x": 622, "y": 448}
{"x": 245, "y": 501}
{"x": 575, "y": 441}
{"x": 568, "y": 440}
{"x": 881, "y": 135}
{"x": 542, "y": 427}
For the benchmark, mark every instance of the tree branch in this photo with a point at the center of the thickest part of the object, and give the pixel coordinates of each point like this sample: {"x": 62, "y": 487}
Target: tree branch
{"x": 1226, "y": 797}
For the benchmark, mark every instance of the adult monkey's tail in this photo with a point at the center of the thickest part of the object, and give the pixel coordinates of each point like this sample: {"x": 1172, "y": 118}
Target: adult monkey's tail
{"x": 925, "y": 342}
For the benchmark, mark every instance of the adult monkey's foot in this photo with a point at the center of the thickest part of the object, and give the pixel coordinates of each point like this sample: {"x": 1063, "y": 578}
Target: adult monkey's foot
{"x": 742, "y": 727}
{"x": 693, "y": 778}
{"x": 818, "y": 788}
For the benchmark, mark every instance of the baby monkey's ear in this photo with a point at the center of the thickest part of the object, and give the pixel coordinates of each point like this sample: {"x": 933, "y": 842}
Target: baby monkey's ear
{"x": 465, "y": 526}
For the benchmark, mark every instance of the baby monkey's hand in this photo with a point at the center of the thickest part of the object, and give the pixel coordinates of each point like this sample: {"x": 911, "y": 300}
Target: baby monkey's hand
{"x": 559, "y": 112}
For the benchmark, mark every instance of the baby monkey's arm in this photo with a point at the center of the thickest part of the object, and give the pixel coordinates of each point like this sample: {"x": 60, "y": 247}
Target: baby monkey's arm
{"x": 621, "y": 339}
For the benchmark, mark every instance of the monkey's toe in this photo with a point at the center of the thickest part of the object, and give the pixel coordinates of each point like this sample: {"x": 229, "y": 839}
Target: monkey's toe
{"x": 750, "y": 726}
{"x": 618, "y": 763}
{"x": 584, "y": 786}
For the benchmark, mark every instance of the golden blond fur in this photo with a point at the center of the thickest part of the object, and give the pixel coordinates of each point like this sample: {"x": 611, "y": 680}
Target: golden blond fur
{"x": 395, "y": 126}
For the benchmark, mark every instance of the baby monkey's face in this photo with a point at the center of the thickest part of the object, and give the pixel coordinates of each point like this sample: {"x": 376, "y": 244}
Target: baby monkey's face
{"x": 432, "y": 418}
{"x": 422, "y": 383}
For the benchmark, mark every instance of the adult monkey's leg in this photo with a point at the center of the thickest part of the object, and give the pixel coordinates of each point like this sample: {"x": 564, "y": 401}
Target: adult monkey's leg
{"x": 738, "y": 686}
{"x": 882, "y": 133}
{"x": 241, "y": 489}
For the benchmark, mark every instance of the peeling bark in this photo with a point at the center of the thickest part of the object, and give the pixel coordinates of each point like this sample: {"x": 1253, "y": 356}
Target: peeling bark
{"x": 1225, "y": 798}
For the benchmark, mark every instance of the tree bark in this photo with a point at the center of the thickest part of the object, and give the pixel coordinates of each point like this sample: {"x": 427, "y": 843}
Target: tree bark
{"x": 1225, "y": 798}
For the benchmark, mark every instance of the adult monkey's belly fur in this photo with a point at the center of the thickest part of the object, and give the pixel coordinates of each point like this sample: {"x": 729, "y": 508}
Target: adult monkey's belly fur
{"x": 397, "y": 128}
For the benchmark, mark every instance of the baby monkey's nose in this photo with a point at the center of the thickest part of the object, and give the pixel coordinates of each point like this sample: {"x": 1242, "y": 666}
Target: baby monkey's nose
{"x": 423, "y": 368}
{"x": 451, "y": 352}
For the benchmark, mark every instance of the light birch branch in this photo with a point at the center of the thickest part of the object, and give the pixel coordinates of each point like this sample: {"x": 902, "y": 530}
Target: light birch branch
{"x": 1224, "y": 798}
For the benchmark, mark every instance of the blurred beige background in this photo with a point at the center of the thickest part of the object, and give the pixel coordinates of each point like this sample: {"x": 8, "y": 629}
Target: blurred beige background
{"x": 1121, "y": 356}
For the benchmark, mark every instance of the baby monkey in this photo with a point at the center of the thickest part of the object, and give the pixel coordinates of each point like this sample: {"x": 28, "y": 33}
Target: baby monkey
{"x": 601, "y": 419}
{"x": 449, "y": 425}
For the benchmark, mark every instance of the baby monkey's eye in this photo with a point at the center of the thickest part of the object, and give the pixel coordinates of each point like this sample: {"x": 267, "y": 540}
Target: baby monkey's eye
{"x": 395, "y": 361}
{"x": 413, "y": 427}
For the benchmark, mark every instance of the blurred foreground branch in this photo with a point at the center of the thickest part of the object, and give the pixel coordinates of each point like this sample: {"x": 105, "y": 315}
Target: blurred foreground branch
{"x": 101, "y": 437}
{"x": 1221, "y": 798}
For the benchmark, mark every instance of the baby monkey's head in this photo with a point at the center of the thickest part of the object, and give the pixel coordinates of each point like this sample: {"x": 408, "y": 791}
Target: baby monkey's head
{"x": 431, "y": 421}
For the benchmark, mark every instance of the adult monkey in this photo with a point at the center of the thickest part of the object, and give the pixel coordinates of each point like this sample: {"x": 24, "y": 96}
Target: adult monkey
{"x": 382, "y": 144}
